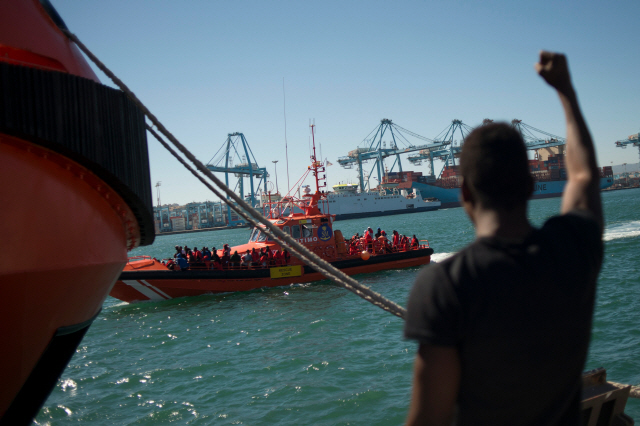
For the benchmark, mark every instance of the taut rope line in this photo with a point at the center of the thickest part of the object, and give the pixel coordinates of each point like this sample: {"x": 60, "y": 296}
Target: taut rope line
{"x": 251, "y": 215}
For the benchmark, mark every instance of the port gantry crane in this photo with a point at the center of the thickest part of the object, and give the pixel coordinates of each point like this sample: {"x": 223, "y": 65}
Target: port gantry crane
{"x": 534, "y": 142}
{"x": 451, "y": 150}
{"x": 375, "y": 149}
{"x": 445, "y": 147}
{"x": 236, "y": 149}
{"x": 633, "y": 140}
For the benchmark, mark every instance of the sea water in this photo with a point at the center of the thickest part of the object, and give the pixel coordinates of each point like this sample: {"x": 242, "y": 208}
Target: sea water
{"x": 311, "y": 353}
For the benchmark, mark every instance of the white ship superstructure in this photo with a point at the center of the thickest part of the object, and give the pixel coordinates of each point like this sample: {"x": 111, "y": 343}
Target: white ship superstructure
{"x": 347, "y": 203}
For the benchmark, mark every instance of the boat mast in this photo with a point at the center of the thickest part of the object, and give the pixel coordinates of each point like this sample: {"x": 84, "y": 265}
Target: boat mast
{"x": 316, "y": 165}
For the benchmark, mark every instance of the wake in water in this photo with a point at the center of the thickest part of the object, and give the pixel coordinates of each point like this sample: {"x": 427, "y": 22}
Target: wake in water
{"x": 439, "y": 257}
{"x": 622, "y": 230}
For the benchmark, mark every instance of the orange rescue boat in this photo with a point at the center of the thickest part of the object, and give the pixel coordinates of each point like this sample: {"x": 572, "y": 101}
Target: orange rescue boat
{"x": 150, "y": 279}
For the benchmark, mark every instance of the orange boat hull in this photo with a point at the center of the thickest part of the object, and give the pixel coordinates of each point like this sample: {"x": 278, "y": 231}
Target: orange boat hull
{"x": 68, "y": 259}
{"x": 150, "y": 280}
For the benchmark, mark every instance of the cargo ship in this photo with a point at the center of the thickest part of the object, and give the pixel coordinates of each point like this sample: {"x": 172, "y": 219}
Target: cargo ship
{"x": 76, "y": 195}
{"x": 549, "y": 176}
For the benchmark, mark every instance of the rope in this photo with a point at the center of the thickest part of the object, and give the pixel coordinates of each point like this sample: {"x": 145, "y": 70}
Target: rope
{"x": 633, "y": 393}
{"x": 249, "y": 213}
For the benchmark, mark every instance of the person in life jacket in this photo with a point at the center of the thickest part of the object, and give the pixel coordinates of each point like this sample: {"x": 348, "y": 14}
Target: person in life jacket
{"x": 264, "y": 258}
{"x": 225, "y": 259}
{"x": 396, "y": 239}
{"x": 206, "y": 257}
{"x": 215, "y": 259}
{"x": 404, "y": 242}
{"x": 171, "y": 265}
{"x": 414, "y": 242}
{"x": 368, "y": 241}
{"x": 353, "y": 246}
{"x": 388, "y": 248}
{"x": 378, "y": 234}
{"x": 286, "y": 256}
{"x": 279, "y": 258}
{"x": 271, "y": 260}
{"x": 196, "y": 255}
{"x": 247, "y": 259}
{"x": 255, "y": 257}
{"x": 383, "y": 241}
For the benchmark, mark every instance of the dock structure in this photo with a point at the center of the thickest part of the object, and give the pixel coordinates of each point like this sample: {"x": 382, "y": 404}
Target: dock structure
{"x": 603, "y": 402}
{"x": 195, "y": 216}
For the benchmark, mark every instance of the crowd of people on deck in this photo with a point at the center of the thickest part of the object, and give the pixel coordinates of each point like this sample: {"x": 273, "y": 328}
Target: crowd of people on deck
{"x": 379, "y": 242}
{"x": 192, "y": 258}
{"x": 186, "y": 258}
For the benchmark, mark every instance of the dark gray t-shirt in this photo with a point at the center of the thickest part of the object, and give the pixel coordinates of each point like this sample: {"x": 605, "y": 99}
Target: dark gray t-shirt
{"x": 519, "y": 313}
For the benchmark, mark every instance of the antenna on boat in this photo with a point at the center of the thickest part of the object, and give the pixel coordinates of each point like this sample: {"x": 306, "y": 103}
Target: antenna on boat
{"x": 286, "y": 150}
{"x": 316, "y": 166}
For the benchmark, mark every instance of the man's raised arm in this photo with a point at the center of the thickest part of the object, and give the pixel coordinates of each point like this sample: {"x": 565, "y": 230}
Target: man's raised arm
{"x": 583, "y": 177}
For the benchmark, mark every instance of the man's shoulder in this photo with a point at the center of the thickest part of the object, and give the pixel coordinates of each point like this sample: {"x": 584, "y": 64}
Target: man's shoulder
{"x": 577, "y": 228}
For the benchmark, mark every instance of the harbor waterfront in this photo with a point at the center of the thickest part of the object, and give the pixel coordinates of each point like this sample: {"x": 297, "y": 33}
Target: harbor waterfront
{"x": 310, "y": 353}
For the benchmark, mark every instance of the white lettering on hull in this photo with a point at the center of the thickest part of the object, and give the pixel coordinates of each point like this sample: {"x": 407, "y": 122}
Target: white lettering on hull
{"x": 308, "y": 240}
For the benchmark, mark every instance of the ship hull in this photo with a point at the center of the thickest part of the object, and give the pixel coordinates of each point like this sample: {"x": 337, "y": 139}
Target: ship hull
{"x": 385, "y": 212}
{"x": 449, "y": 197}
{"x": 153, "y": 282}
{"x": 70, "y": 258}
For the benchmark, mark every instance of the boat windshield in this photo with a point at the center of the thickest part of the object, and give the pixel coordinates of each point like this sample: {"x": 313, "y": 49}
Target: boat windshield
{"x": 254, "y": 234}
{"x": 262, "y": 237}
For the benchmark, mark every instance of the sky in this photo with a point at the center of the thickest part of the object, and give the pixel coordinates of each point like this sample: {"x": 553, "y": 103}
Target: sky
{"x": 210, "y": 68}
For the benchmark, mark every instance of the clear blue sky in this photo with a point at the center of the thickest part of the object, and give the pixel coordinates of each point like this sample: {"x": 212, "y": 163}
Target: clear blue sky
{"x": 209, "y": 68}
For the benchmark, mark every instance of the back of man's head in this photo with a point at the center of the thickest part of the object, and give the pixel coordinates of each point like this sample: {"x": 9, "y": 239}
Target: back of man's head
{"x": 494, "y": 166}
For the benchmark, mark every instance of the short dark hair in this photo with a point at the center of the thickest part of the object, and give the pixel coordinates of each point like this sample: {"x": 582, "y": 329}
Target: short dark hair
{"x": 495, "y": 168}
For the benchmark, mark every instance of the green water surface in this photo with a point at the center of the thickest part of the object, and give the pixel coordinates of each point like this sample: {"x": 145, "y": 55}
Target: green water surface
{"x": 306, "y": 354}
